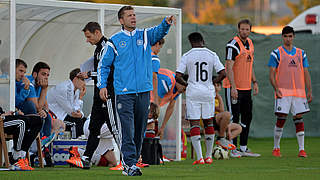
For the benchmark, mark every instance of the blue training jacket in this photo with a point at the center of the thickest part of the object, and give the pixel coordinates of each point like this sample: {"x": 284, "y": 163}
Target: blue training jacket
{"x": 21, "y": 93}
{"x": 130, "y": 52}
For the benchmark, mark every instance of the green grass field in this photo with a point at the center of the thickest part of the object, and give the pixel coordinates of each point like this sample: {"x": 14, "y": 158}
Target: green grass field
{"x": 289, "y": 166}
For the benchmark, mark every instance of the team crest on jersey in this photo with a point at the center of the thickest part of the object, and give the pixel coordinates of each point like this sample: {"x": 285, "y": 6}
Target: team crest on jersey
{"x": 279, "y": 108}
{"x": 139, "y": 42}
{"x": 119, "y": 106}
{"x": 122, "y": 44}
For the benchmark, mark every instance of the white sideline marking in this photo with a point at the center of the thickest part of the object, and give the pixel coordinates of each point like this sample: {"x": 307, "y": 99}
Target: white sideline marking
{"x": 304, "y": 168}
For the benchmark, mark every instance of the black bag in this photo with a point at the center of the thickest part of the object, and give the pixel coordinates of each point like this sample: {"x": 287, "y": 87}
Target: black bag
{"x": 151, "y": 152}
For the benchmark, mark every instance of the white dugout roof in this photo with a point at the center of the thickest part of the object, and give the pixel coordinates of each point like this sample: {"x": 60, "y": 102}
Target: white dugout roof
{"x": 50, "y": 31}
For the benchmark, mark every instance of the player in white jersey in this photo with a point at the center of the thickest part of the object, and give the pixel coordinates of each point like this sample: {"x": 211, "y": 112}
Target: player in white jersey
{"x": 199, "y": 63}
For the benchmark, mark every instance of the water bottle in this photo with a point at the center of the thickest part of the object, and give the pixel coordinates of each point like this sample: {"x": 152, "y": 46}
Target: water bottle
{"x": 60, "y": 133}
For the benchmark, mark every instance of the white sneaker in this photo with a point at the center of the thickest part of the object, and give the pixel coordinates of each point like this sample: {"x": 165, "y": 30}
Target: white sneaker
{"x": 248, "y": 153}
{"x": 235, "y": 154}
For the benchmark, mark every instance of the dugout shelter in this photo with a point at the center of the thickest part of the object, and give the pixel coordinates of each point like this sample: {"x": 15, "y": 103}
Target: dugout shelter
{"x": 50, "y": 31}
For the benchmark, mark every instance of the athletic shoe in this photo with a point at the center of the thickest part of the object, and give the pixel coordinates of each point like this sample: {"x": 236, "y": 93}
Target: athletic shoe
{"x": 73, "y": 152}
{"x": 47, "y": 141}
{"x": 276, "y": 152}
{"x": 235, "y": 154}
{"x": 302, "y": 153}
{"x": 21, "y": 165}
{"x": 200, "y": 161}
{"x": 165, "y": 159}
{"x": 125, "y": 170}
{"x": 78, "y": 162}
{"x": 73, "y": 155}
{"x": 28, "y": 164}
{"x": 208, "y": 160}
{"x": 134, "y": 171}
{"x": 119, "y": 167}
{"x": 248, "y": 153}
{"x": 224, "y": 143}
{"x": 142, "y": 165}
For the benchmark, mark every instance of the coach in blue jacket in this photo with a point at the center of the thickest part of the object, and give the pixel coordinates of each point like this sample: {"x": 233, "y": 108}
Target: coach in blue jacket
{"x": 130, "y": 52}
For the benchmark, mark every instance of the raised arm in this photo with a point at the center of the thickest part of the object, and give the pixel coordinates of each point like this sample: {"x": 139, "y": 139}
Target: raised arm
{"x": 24, "y": 92}
{"x": 42, "y": 101}
{"x": 158, "y": 32}
{"x": 65, "y": 98}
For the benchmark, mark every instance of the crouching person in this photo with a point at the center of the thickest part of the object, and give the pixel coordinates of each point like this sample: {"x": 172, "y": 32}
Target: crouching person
{"x": 222, "y": 125}
{"x": 25, "y": 129}
{"x": 104, "y": 154}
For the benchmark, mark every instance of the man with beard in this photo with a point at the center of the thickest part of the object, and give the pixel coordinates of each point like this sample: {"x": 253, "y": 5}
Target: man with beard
{"x": 240, "y": 76}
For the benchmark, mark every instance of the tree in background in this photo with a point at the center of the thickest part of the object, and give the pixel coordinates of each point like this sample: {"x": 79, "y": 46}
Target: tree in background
{"x": 163, "y": 3}
{"x": 296, "y": 9}
{"x": 211, "y": 11}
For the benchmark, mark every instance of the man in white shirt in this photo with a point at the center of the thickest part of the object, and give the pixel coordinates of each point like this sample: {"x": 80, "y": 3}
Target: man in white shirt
{"x": 65, "y": 101}
{"x": 199, "y": 62}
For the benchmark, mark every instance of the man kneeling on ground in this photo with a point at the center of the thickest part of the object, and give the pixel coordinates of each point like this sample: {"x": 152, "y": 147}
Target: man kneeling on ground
{"x": 103, "y": 155}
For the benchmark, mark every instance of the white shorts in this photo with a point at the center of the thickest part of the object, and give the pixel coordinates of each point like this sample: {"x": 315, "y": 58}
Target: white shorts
{"x": 297, "y": 105}
{"x": 104, "y": 146}
{"x": 105, "y": 143}
{"x": 197, "y": 110}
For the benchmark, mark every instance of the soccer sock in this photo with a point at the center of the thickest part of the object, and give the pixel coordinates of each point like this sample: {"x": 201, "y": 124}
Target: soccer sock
{"x": 277, "y": 136}
{"x": 84, "y": 157}
{"x": 209, "y": 137}
{"x": 195, "y": 139}
{"x": 243, "y": 148}
{"x": 81, "y": 151}
{"x": 18, "y": 154}
{"x": 23, "y": 154}
{"x": 209, "y": 144}
{"x": 278, "y": 129}
{"x": 196, "y": 143}
{"x": 299, "y": 132}
{"x": 300, "y": 138}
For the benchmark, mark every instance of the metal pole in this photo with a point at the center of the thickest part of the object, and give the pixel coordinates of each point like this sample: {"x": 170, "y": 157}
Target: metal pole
{"x": 101, "y": 19}
{"x": 12, "y": 53}
{"x": 179, "y": 102}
